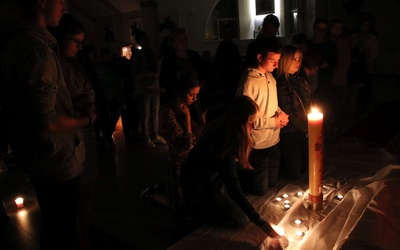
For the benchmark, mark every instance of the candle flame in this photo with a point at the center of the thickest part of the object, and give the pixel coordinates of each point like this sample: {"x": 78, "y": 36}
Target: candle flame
{"x": 314, "y": 110}
{"x": 278, "y": 229}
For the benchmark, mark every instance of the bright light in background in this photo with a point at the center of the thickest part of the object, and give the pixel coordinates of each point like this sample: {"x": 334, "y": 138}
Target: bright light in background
{"x": 127, "y": 52}
{"x": 258, "y": 20}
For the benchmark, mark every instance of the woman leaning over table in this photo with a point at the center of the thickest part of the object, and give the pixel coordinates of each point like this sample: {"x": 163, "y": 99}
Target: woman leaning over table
{"x": 294, "y": 98}
{"x": 211, "y": 188}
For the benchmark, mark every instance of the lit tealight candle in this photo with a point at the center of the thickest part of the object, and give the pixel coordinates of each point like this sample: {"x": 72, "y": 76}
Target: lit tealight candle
{"x": 285, "y": 195}
{"x": 286, "y": 206}
{"x": 298, "y": 222}
{"x": 19, "y": 202}
{"x": 340, "y": 196}
{"x": 287, "y": 201}
{"x": 278, "y": 199}
{"x": 299, "y": 233}
{"x": 299, "y": 194}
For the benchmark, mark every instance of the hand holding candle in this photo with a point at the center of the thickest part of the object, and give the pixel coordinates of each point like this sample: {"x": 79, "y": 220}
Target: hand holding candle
{"x": 315, "y": 153}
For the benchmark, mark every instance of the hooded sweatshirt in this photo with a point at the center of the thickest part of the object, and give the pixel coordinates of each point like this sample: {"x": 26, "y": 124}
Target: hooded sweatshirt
{"x": 262, "y": 89}
{"x": 33, "y": 92}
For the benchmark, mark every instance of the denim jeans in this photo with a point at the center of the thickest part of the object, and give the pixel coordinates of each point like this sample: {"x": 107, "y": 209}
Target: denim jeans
{"x": 149, "y": 104}
{"x": 266, "y": 169}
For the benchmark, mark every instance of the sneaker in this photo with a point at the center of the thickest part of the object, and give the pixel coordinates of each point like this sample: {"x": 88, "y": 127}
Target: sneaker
{"x": 150, "y": 144}
{"x": 159, "y": 140}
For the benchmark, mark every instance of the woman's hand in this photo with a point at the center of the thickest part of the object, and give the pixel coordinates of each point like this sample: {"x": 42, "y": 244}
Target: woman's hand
{"x": 278, "y": 243}
{"x": 185, "y": 110}
{"x": 275, "y": 241}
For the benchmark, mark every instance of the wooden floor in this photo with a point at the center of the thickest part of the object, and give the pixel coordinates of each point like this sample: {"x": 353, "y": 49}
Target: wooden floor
{"x": 121, "y": 220}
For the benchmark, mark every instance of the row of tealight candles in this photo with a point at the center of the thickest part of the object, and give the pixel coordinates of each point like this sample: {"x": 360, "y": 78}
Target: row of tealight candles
{"x": 286, "y": 206}
{"x": 286, "y": 201}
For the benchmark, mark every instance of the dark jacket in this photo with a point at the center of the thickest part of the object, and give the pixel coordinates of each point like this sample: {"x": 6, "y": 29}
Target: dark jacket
{"x": 33, "y": 92}
{"x": 205, "y": 172}
{"x": 294, "y": 98}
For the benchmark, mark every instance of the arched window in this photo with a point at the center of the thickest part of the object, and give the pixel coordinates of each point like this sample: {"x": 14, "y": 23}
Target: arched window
{"x": 247, "y": 17}
{"x": 224, "y": 11}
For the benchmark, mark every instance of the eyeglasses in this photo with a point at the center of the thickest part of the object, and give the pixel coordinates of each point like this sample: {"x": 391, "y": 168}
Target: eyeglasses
{"x": 77, "y": 42}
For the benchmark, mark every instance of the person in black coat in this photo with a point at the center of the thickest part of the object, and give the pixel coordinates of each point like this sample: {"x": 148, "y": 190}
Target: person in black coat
{"x": 294, "y": 98}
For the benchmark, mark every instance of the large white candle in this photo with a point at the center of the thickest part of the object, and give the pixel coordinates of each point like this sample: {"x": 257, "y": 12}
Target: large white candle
{"x": 315, "y": 153}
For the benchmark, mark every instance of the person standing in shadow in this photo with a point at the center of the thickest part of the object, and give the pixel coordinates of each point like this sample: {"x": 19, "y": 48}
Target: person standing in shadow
{"x": 70, "y": 34}
{"x": 145, "y": 74}
{"x": 180, "y": 60}
{"x": 294, "y": 98}
{"x": 270, "y": 28}
{"x": 228, "y": 63}
{"x": 111, "y": 81}
{"x": 43, "y": 126}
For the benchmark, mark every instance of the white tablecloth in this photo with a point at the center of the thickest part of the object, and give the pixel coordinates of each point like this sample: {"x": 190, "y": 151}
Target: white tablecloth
{"x": 367, "y": 215}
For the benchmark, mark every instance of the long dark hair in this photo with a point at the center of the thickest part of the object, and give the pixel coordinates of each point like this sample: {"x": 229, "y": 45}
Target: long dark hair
{"x": 238, "y": 142}
{"x": 186, "y": 82}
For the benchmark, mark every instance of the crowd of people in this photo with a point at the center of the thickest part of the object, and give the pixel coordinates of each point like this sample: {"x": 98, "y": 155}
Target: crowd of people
{"x": 60, "y": 98}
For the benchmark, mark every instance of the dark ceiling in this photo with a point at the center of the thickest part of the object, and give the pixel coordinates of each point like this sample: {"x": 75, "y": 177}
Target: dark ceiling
{"x": 97, "y": 9}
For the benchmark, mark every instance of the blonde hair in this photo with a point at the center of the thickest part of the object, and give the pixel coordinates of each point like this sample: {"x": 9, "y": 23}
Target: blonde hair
{"x": 286, "y": 60}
